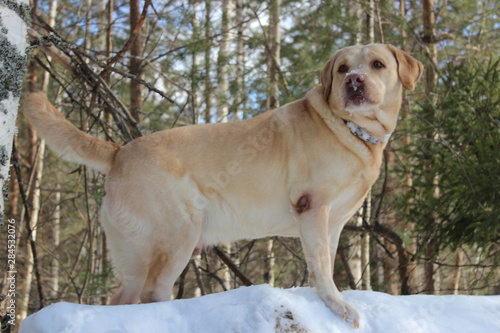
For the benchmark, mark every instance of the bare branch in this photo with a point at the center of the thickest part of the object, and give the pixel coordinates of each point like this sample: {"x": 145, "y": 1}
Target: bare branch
{"x": 232, "y": 266}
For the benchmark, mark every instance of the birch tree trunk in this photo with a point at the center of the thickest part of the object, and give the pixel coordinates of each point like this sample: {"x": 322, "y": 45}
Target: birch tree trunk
{"x": 208, "y": 64}
{"x": 365, "y": 246}
{"x": 356, "y": 9}
{"x": 34, "y": 214}
{"x": 370, "y": 21}
{"x": 222, "y": 91}
{"x": 457, "y": 271}
{"x": 56, "y": 222}
{"x": 273, "y": 63}
{"x": 14, "y": 21}
{"x": 366, "y": 282}
{"x": 223, "y": 62}
{"x": 239, "y": 98}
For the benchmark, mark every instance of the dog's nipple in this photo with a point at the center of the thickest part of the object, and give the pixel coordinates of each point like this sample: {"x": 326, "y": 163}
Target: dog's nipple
{"x": 303, "y": 204}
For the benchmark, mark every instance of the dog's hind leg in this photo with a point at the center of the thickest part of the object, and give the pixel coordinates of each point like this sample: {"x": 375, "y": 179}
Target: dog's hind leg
{"x": 132, "y": 277}
{"x": 170, "y": 257}
{"x": 129, "y": 257}
{"x": 164, "y": 270}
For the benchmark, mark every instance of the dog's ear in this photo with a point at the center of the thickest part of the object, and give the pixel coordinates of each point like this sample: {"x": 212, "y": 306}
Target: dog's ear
{"x": 409, "y": 69}
{"x": 327, "y": 77}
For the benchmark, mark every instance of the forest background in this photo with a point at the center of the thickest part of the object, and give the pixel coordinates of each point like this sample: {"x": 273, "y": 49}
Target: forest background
{"x": 119, "y": 70}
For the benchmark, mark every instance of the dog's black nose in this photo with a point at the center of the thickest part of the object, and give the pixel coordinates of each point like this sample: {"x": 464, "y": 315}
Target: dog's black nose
{"x": 355, "y": 80}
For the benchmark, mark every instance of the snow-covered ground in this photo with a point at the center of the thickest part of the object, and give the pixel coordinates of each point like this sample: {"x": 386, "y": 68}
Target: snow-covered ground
{"x": 266, "y": 309}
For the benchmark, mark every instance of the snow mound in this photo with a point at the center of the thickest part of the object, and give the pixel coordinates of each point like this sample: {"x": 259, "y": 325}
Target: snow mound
{"x": 266, "y": 309}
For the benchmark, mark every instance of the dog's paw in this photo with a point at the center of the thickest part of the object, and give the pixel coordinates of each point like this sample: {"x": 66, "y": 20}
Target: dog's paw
{"x": 351, "y": 315}
{"x": 346, "y": 311}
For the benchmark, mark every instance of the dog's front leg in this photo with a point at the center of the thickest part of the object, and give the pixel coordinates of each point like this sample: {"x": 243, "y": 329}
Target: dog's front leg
{"x": 315, "y": 238}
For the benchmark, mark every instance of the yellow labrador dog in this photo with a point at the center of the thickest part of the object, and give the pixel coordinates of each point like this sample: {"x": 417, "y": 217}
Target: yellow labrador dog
{"x": 301, "y": 170}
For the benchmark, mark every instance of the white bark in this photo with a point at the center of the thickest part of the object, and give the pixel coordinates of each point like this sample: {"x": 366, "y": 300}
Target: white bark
{"x": 52, "y": 22}
{"x": 273, "y": 63}
{"x": 455, "y": 286}
{"x": 223, "y": 62}
{"x": 13, "y": 31}
{"x": 35, "y": 210}
{"x": 54, "y": 268}
{"x": 355, "y": 253}
{"x": 365, "y": 248}
{"x": 371, "y": 21}
{"x": 222, "y": 92}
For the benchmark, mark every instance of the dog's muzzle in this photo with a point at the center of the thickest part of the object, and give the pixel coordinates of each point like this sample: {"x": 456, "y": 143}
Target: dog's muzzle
{"x": 355, "y": 88}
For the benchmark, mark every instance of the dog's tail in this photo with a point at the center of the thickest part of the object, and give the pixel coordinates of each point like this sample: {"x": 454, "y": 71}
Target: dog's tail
{"x": 64, "y": 138}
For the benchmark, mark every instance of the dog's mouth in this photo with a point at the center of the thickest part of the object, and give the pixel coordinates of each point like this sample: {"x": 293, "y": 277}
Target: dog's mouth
{"x": 356, "y": 95}
{"x": 355, "y": 89}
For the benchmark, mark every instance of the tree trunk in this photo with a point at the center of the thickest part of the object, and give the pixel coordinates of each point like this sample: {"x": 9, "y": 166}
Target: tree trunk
{"x": 51, "y": 22}
{"x": 88, "y": 21}
{"x": 239, "y": 99}
{"x": 455, "y": 286}
{"x": 36, "y": 153}
{"x": 357, "y": 10}
{"x": 222, "y": 91}
{"x": 34, "y": 214}
{"x": 359, "y": 245}
{"x": 223, "y": 62}
{"x": 56, "y": 222}
{"x": 269, "y": 276}
{"x": 13, "y": 24}
{"x": 136, "y": 53}
{"x": 365, "y": 246}
{"x": 274, "y": 48}
{"x": 429, "y": 39}
{"x": 56, "y": 216}
{"x": 273, "y": 63}
{"x": 370, "y": 21}
{"x": 108, "y": 46}
{"x": 226, "y": 273}
{"x": 354, "y": 242}
{"x": 354, "y": 259}
{"x": 208, "y": 65}
{"x": 390, "y": 266}
{"x": 195, "y": 64}
{"x": 413, "y": 268}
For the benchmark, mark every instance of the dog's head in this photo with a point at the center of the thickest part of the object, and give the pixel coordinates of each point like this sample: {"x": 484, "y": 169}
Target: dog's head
{"x": 359, "y": 76}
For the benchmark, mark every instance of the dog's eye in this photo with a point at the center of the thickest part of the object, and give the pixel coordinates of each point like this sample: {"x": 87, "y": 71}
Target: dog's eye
{"x": 343, "y": 69}
{"x": 378, "y": 65}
